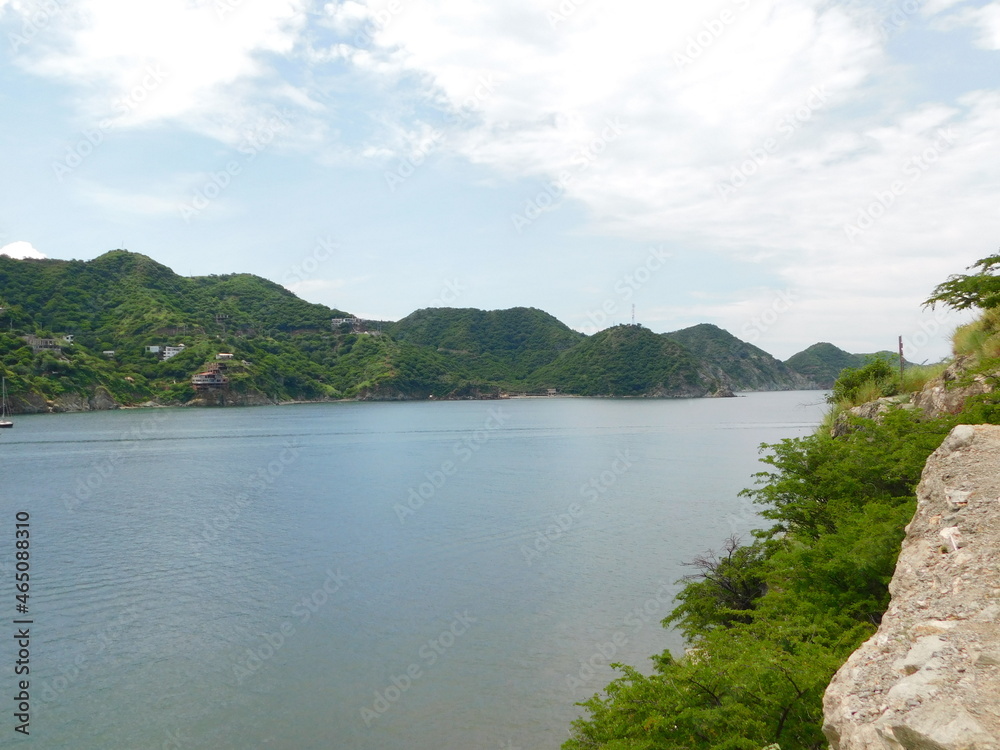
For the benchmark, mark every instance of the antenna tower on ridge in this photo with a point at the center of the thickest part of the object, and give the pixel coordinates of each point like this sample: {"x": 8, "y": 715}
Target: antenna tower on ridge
{"x": 633, "y": 314}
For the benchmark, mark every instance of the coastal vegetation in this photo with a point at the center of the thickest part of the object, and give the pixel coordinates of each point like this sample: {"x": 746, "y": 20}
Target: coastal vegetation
{"x": 768, "y": 622}
{"x": 96, "y": 325}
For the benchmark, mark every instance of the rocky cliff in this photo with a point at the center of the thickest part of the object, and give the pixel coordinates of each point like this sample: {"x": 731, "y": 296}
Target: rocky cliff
{"x": 929, "y": 679}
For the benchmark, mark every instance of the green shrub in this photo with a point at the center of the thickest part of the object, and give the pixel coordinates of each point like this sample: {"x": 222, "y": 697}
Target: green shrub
{"x": 859, "y": 385}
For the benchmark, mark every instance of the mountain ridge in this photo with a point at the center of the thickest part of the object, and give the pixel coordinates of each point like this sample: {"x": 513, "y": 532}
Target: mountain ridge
{"x": 271, "y": 346}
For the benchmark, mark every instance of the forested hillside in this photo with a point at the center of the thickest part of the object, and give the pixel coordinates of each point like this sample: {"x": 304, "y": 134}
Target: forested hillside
{"x": 77, "y": 334}
{"x": 737, "y": 364}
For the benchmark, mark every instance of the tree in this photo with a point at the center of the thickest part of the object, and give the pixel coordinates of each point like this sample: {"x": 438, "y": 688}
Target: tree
{"x": 876, "y": 378}
{"x": 723, "y": 591}
{"x": 962, "y": 291}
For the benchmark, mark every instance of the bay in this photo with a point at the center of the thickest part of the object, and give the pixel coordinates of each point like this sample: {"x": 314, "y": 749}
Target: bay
{"x": 363, "y": 575}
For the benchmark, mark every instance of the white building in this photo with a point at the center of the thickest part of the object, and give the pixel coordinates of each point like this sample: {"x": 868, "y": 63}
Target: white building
{"x": 172, "y": 351}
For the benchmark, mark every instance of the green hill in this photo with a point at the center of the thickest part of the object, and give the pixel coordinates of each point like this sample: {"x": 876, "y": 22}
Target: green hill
{"x": 497, "y": 345}
{"x": 626, "y": 361}
{"x": 121, "y": 295}
{"x": 77, "y": 335}
{"x": 283, "y": 347}
{"x": 824, "y": 362}
{"x": 737, "y": 364}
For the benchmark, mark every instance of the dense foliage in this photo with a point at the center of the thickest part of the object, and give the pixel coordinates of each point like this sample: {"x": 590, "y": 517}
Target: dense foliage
{"x": 768, "y": 624}
{"x": 499, "y": 346}
{"x": 875, "y": 379}
{"x": 823, "y": 363}
{"x": 735, "y": 363}
{"x": 962, "y": 291}
{"x": 285, "y": 348}
{"x": 625, "y": 361}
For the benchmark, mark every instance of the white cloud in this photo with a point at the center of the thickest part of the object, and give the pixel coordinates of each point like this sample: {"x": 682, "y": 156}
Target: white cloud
{"x": 21, "y": 250}
{"x": 796, "y": 99}
{"x": 755, "y": 129}
{"x": 203, "y": 63}
{"x": 987, "y": 21}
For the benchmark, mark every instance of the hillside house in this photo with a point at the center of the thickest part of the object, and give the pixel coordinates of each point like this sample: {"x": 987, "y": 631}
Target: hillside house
{"x": 209, "y": 379}
{"x": 39, "y": 344}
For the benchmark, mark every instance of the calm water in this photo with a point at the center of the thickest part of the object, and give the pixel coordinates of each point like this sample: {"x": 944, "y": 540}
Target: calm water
{"x": 274, "y": 578}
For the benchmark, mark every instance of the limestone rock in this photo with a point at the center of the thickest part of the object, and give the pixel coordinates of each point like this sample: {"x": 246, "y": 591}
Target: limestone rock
{"x": 943, "y": 396}
{"x": 723, "y": 391}
{"x": 870, "y": 410}
{"x": 102, "y": 400}
{"x": 929, "y": 679}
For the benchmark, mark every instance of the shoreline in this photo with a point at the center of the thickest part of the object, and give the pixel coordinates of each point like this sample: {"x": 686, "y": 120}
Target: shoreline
{"x": 74, "y": 408}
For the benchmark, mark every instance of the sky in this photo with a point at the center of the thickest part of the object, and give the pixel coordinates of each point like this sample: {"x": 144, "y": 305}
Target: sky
{"x": 793, "y": 171}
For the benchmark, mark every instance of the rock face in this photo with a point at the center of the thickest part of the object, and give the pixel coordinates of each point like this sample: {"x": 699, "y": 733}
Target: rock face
{"x": 929, "y": 679}
{"x": 943, "y": 396}
{"x": 32, "y": 403}
{"x": 227, "y": 398}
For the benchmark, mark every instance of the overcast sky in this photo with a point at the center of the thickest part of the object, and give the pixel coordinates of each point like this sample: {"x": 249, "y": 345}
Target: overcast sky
{"x": 793, "y": 171}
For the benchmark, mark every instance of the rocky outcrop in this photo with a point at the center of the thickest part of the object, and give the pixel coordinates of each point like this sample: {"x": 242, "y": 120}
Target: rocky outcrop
{"x": 102, "y": 400}
{"x": 34, "y": 403}
{"x": 231, "y": 398}
{"x": 945, "y": 395}
{"x": 736, "y": 364}
{"x": 870, "y": 410}
{"x": 723, "y": 391}
{"x": 929, "y": 679}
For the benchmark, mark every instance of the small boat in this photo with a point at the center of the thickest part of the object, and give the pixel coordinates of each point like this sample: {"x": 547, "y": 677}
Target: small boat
{"x": 4, "y": 422}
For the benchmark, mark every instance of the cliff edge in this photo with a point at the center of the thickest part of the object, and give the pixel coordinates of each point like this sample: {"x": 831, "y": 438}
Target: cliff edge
{"x": 929, "y": 679}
